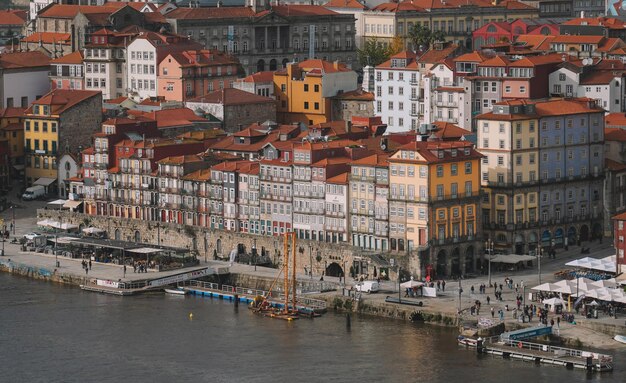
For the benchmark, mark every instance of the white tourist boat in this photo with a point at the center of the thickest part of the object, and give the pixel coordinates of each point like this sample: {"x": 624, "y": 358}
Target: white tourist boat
{"x": 176, "y": 291}
{"x": 620, "y": 338}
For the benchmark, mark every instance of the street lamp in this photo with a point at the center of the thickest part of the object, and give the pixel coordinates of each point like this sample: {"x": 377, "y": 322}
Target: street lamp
{"x": 539, "y": 254}
{"x": 311, "y": 260}
{"x": 489, "y": 249}
{"x": 254, "y": 252}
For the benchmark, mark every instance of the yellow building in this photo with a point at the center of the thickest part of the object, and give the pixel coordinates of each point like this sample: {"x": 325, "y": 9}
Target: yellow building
{"x": 303, "y": 90}
{"x": 434, "y": 192}
{"x": 60, "y": 121}
{"x": 13, "y": 132}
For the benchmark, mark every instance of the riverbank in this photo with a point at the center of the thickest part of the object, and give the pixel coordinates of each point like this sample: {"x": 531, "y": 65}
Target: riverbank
{"x": 441, "y": 311}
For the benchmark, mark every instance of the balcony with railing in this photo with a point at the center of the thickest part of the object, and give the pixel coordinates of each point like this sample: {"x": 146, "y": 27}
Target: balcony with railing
{"x": 455, "y": 196}
{"x": 446, "y": 103}
{"x": 338, "y": 214}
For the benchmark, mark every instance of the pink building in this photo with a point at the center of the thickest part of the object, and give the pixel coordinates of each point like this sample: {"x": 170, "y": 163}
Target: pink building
{"x": 195, "y": 73}
{"x": 67, "y": 72}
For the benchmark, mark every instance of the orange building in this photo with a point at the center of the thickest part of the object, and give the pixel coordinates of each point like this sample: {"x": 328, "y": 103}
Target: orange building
{"x": 194, "y": 73}
{"x": 304, "y": 90}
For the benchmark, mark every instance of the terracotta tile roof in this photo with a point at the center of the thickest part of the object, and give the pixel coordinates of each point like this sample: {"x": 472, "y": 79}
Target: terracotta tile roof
{"x": 614, "y": 165}
{"x": 577, "y": 39}
{"x": 259, "y": 77}
{"x": 117, "y": 100}
{"x": 202, "y": 58}
{"x": 358, "y": 95}
{"x": 403, "y": 6}
{"x": 607, "y": 22}
{"x": 323, "y": 66}
{"x": 340, "y": 179}
{"x": 450, "y": 89}
{"x": 64, "y": 11}
{"x": 12, "y": 17}
{"x": 379, "y": 160}
{"x": 615, "y": 134}
{"x": 447, "y": 130}
{"x": 199, "y": 175}
{"x": 345, "y": 4}
{"x": 249, "y": 132}
{"x": 12, "y": 112}
{"x": 535, "y": 42}
{"x": 72, "y": 58}
{"x": 48, "y": 38}
{"x": 433, "y": 55}
{"x": 600, "y": 78}
{"x": 232, "y": 96}
{"x": 440, "y": 4}
{"x": 552, "y": 107}
{"x": 16, "y": 60}
{"x": 496, "y": 61}
{"x": 409, "y": 56}
{"x": 15, "y": 126}
{"x": 180, "y": 160}
{"x": 611, "y": 44}
{"x": 202, "y": 135}
{"x": 532, "y": 61}
{"x": 61, "y": 100}
{"x": 210, "y": 13}
{"x": 615, "y": 119}
{"x": 620, "y": 217}
{"x": 427, "y": 148}
{"x": 471, "y": 57}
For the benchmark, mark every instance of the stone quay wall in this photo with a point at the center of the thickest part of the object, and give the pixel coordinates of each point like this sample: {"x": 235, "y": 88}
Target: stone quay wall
{"x": 211, "y": 243}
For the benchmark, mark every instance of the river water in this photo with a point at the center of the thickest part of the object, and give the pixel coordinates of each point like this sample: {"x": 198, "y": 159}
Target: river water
{"x": 51, "y": 333}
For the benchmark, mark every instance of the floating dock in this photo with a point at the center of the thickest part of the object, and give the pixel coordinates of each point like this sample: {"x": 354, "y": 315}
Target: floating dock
{"x": 546, "y": 354}
{"x": 245, "y": 295}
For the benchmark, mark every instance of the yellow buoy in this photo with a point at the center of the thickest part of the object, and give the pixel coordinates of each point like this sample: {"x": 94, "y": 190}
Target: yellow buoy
{"x": 190, "y": 315}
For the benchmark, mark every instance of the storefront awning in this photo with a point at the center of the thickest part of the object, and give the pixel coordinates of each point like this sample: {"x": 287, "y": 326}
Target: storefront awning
{"x": 43, "y": 181}
{"x": 72, "y": 204}
{"x": 512, "y": 258}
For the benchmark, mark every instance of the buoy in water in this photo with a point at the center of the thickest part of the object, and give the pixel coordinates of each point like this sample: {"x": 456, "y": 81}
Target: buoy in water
{"x": 190, "y": 315}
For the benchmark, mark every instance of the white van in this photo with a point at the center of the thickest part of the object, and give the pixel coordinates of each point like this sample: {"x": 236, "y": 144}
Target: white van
{"x": 367, "y": 286}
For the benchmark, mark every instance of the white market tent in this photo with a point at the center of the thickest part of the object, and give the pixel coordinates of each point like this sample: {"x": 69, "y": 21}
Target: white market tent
{"x": 92, "y": 230}
{"x": 606, "y": 264}
{"x": 57, "y": 225}
{"x": 549, "y": 287}
{"x": 600, "y": 290}
{"x": 553, "y": 301}
{"x": 145, "y": 250}
{"x": 58, "y": 203}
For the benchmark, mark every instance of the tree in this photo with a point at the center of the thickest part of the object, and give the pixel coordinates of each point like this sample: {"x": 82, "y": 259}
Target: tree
{"x": 422, "y": 37}
{"x": 372, "y": 53}
{"x": 396, "y": 46}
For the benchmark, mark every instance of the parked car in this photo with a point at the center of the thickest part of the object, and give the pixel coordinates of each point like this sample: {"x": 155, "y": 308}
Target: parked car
{"x": 367, "y": 286}
{"x": 31, "y": 236}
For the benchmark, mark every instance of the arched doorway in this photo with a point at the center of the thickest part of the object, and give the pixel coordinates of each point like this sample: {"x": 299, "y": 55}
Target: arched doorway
{"x": 137, "y": 236}
{"x": 285, "y": 62}
{"x": 584, "y": 233}
{"x": 260, "y": 65}
{"x": 442, "y": 260}
{"x": 334, "y": 270}
{"x": 559, "y": 237}
{"x": 456, "y": 262}
{"x": 571, "y": 236}
{"x": 469, "y": 260}
{"x": 273, "y": 65}
{"x": 546, "y": 236}
{"x": 532, "y": 242}
{"x": 218, "y": 246}
{"x": 597, "y": 231}
{"x": 118, "y": 234}
{"x": 519, "y": 244}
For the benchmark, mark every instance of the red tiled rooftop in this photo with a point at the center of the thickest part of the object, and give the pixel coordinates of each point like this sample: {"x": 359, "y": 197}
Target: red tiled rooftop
{"x": 232, "y": 96}
{"x": 16, "y": 60}
{"x": 12, "y": 17}
{"x": 71, "y": 58}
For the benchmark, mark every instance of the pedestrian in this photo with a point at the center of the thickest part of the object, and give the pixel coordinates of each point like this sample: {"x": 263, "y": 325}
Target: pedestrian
{"x": 438, "y": 285}
{"x": 558, "y": 322}
{"x": 472, "y": 289}
{"x": 489, "y": 300}
{"x": 86, "y": 271}
{"x": 90, "y": 264}
{"x": 443, "y": 285}
{"x": 493, "y": 312}
{"x": 124, "y": 270}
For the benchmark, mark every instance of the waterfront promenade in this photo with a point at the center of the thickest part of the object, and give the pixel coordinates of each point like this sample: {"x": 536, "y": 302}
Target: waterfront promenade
{"x": 447, "y": 303}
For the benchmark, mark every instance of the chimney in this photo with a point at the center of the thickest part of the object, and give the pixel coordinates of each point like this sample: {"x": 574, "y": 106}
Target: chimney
{"x": 336, "y": 64}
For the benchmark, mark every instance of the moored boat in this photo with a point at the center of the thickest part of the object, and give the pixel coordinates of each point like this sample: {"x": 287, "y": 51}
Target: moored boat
{"x": 176, "y": 291}
{"x": 620, "y": 338}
